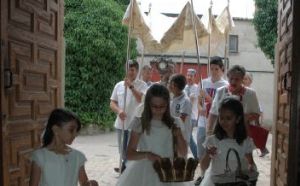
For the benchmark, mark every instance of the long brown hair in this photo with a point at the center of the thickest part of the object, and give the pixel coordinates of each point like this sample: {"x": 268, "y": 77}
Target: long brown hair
{"x": 156, "y": 90}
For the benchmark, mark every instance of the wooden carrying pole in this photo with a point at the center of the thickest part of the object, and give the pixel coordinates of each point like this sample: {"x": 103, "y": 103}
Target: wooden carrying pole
{"x": 209, "y": 37}
{"x": 226, "y": 35}
{"x": 196, "y": 42}
{"x": 182, "y": 62}
{"x": 125, "y": 93}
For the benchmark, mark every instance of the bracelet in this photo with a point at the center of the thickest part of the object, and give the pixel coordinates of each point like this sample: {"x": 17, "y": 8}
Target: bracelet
{"x": 131, "y": 87}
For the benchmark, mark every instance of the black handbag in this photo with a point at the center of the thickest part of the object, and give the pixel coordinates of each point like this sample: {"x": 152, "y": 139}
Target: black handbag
{"x": 237, "y": 177}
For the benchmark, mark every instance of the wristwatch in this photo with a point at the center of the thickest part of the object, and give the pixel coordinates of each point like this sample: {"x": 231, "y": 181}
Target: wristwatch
{"x": 131, "y": 87}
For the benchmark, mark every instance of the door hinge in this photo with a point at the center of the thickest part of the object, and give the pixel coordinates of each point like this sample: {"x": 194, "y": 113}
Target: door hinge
{"x": 3, "y": 116}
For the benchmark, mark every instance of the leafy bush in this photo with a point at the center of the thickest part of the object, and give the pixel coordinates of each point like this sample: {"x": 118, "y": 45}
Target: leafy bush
{"x": 96, "y": 45}
{"x": 265, "y": 23}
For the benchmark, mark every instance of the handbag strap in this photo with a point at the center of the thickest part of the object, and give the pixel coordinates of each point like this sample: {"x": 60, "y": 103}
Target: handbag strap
{"x": 239, "y": 168}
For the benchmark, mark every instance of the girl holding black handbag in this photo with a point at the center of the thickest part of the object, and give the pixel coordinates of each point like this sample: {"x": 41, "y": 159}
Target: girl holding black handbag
{"x": 230, "y": 133}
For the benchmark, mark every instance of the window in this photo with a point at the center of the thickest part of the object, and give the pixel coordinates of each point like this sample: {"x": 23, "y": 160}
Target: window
{"x": 233, "y": 43}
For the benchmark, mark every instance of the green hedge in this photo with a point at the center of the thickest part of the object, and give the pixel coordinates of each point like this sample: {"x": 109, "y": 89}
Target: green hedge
{"x": 96, "y": 45}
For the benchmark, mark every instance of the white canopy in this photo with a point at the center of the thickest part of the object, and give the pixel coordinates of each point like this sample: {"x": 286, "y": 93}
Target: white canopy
{"x": 163, "y": 34}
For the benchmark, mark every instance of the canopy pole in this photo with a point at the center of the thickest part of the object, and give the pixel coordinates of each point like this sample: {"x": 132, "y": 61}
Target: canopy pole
{"x": 125, "y": 93}
{"x": 226, "y": 61}
{"x": 198, "y": 56}
{"x": 142, "y": 62}
{"x": 182, "y": 62}
{"x": 209, "y": 37}
{"x": 196, "y": 42}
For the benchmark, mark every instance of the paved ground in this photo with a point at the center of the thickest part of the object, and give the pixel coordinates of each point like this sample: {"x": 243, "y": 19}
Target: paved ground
{"x": 102, "y": 154}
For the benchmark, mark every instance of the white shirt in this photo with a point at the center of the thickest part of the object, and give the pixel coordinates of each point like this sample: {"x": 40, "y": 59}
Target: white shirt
{"x": 181, "y": 105}
{"x": 210, "y": 88}
{"x": 192, "y": 91}
{"x": 249, "y": 100}
{"x": 131, "y": 102}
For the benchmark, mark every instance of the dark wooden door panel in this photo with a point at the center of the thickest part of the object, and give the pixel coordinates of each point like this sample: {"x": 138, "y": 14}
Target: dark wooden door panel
{"x": 286, "y": 133}
{"x": 32, "y": 32}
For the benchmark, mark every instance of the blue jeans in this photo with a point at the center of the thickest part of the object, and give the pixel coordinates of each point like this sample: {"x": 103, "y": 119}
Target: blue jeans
{"x": 193, "y": 146}
{"x": 192, "y": 143}
{"x": 201, "y": 134}
{"x": 123, "y": 147}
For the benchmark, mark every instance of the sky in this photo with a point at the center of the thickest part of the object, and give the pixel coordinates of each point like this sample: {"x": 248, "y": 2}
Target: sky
{"x": 238, "y": 8}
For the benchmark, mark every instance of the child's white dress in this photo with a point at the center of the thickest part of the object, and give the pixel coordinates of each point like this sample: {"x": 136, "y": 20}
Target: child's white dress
{"x": 159, "y": 141}
{"x": 218, "y": 163}
{"x": 58, "y": 169}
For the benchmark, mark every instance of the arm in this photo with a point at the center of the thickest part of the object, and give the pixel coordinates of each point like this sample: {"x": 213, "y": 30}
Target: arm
{"x": 83, "y": 179}
{"x": 133, "y": 154}
{"x": 210, "y": 152}
{"x": 183, "y": 117}
{"x": 185, "y": 110}
{"x": 138, "y": 95}
{"x": 204, "y": 162}
{"x": 252, "y": 117}
{"x": 251, "y": 162}
{"x": 35, "y": 174}
{"x": 181, "y": 143}
{"x": 211, "y": 120}
{"x": 201, "y": 110}
{"x": 114, "y": 107}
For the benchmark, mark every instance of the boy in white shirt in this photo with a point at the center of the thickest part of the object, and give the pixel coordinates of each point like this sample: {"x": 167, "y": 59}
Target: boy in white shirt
{"x": 206, "y": 95}
{"x": 180, "y": 105}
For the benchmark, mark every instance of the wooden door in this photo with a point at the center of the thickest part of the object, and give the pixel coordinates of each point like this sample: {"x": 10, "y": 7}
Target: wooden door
{"x": 31, "y": 59}
{"x": 286, "y": 146}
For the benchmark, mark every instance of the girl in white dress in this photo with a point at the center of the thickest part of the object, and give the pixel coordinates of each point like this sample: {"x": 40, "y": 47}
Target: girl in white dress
{"x": 55, "y": 163}
{"x": 151, "y": 139}
{"x": 230, "y": 132}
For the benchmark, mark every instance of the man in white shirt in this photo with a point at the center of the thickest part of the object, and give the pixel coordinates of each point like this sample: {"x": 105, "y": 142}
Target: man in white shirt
{"x": 135, "y": 90}
{"x": 191, "y": 90}
{"x": 146, "y": 75}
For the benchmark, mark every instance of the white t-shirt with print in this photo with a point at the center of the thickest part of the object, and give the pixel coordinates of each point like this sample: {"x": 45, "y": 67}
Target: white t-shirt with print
{"x": 217, "y": 164}
{"x": 181, "y": 105}
{"x": 210, "y": 88}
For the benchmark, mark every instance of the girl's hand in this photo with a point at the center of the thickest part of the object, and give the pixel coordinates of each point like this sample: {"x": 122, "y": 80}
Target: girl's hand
{"x": 152, "y": 157}
{"x": 91, "y": 183}
{"x": 176, "y": 131}
{"x": 211, "y": 151}
{"x": 252, "y": 167}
